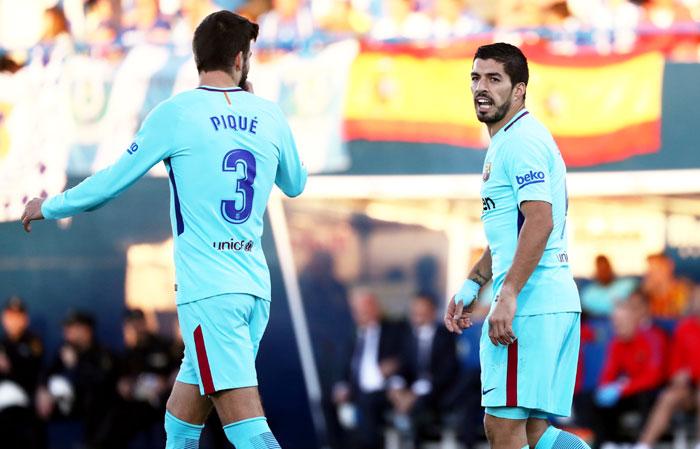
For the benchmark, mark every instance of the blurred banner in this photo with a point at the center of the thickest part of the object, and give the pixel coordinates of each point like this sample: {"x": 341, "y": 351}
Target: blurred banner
{"x": 35, "y": 132}
{"x": 596, "y": 110}
{"x": 67, "y": 114}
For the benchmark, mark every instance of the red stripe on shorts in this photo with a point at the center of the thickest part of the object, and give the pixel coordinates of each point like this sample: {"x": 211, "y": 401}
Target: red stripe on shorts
{"x": 512, "y": 376}
{"x": 203, "y": 361}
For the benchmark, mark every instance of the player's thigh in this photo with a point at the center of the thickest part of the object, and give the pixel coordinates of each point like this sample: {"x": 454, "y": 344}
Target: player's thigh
{"x": 237, "y": 404}
{"x": 186, "y": 403}
{"x": 505, "y": 433}
{"x": 218, "y": 344}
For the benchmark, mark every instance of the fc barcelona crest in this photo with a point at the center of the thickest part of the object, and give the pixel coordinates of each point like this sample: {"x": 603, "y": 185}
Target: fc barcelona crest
{"x": 487, "y": 171}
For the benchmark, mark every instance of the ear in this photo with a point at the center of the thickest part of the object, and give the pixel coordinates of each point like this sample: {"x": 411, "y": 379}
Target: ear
{"x": 519, "y": 91}
{"x": 238, "y": 61}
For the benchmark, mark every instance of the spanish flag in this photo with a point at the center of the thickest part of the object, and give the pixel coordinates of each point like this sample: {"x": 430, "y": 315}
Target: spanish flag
{"x": 599, "y": 108}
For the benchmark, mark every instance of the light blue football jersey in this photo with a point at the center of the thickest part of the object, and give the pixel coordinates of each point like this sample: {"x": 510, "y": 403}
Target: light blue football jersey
{"x": 223, "y": 150}
{"x": 523, "y": 163}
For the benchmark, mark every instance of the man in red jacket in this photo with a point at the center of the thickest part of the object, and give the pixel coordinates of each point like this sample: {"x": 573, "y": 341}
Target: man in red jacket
{"x": 682, "y": 391}
{"x": 634, "y": 370}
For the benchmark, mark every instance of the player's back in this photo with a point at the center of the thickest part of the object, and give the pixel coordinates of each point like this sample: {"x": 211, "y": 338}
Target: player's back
{"x": 230, "y": 147}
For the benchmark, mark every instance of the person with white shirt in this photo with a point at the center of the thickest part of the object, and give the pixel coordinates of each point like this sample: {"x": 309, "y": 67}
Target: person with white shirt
{"x": 372, "y": 358}
{"x": 429, "y": 369}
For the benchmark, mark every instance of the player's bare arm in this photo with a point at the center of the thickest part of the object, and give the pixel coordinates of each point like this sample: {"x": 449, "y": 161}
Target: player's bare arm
{"x": 458, "y": 314}
{"x": 481, "y": 271}
{"x": 531, "y": 244}
{"x": 32, "y": 211}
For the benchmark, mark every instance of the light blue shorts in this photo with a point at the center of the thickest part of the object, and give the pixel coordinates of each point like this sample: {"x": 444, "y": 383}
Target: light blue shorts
{"x": 534, "y": 376}
{"x": 222, "y": 335}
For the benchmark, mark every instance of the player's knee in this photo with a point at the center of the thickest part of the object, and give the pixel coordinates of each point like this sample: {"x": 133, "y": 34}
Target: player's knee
{"x": 534, "y": 429}
{"x": 488, "y": 429}
{"x": 500, "y": 431}
{"x": 238, "y": 404}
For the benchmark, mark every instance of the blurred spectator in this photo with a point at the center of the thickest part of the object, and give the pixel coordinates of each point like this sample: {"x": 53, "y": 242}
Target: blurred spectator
{"x": 7, "y": 65}
{"x": 20, "y": 350}
{"x": 513, "y": 14}
{"x": 341, "y": 17}
{"x": 612, "y": 24}
{"x": 56, "y": 42}
{"x": 143, "y": 23}
{"x": 668, "y": 294}
{"x": 402, "y": 22}
{"x": 326, "y": 307}
{"x": 100, "y": 31}
{"x": 420, "y": 391}
{"x": 665, "y": 13}
{"x": 288, "y": 26}
{"x": 452, "y": 20}
{"x": 634, "y": 370}
{"x": 372, "y": 358}
{"x": 20, "y": 359}
{"x": 682, "y": 390}
{"x": 80, "y": 382}
{"x": 600, "y": 296}
{"x": 143, "y": 385}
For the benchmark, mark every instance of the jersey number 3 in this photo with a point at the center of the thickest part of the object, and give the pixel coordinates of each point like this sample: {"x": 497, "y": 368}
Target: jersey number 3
{"x": 242, "y": 164}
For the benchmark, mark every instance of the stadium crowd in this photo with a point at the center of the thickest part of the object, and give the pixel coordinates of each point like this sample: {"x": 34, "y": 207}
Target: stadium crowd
{"x": 637, "y": 369}
{"x": 405, "y": 376}
{"x": 108, "y": 28}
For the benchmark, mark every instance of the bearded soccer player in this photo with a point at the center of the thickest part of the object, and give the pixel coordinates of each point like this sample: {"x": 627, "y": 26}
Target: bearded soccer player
{"x": 530, "y": 341}
{"x": 224, "y": 148}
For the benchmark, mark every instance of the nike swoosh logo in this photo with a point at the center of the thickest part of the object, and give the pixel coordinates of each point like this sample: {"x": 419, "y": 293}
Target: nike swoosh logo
{"x": 485, "y": 392}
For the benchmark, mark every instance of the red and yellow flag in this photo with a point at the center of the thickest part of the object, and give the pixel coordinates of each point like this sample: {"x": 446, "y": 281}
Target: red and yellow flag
{"x": 599, "y": 109}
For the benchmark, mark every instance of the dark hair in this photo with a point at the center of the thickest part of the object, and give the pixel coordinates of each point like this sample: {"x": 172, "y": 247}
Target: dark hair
{"x": 426, "y": 296}
{"x": 80, "y": 317}
{"x": 131, "y": 315}
{"x": 16, "y": 304}
{"x": 219, "y": 38}
{"x": 513, "y": 60}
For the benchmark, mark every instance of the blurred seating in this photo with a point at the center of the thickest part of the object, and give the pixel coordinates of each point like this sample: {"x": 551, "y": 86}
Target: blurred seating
{"x": 635, "y": 369}
{"x": 105, "y": 29}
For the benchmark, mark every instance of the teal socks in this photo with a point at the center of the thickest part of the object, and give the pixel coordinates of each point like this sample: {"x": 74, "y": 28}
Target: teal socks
{"x": 554, "y": 438}
{"x": 253, "y": 433}
{"x": 180, "y": 434}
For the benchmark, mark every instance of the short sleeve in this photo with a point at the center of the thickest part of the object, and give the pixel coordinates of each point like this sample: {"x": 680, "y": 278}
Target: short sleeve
{"x": 528, "y": 167}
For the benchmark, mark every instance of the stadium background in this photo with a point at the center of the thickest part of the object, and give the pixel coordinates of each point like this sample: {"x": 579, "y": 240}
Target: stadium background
{"x": 377, "y": 94}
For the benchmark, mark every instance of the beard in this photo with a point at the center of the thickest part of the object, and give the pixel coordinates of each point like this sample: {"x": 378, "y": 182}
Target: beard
{"x": 496, "y": 115}
{"x": 244, "y": 75}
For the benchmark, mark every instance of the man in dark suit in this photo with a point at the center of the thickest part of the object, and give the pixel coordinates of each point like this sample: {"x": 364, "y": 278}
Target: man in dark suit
{"x": 429, "y": 369}
{"x": 371, "y": 359}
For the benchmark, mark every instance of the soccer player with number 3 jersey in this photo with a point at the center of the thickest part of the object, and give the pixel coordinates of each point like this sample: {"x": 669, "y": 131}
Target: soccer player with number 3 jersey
{"x": 530, "y": 340}
{"x": 223, "y": 148}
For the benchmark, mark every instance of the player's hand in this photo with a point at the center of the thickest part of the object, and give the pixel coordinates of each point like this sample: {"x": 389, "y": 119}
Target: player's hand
{"x": 501, "y": 319}
{"x": 248, "y": 87}
{"x": 32, "y": 211}
{"x": 458, "y": 317}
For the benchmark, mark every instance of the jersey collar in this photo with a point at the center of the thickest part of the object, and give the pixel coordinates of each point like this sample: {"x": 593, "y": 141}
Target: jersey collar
{"x": 522, "y": 113}
{"x": 220, "y": 89}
